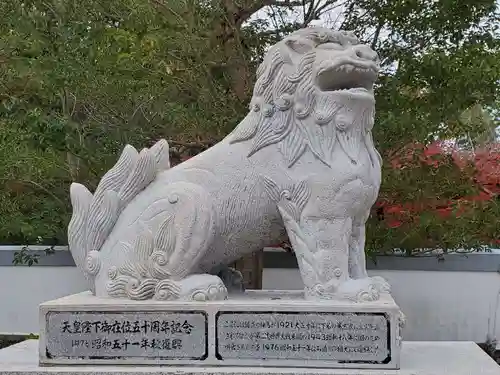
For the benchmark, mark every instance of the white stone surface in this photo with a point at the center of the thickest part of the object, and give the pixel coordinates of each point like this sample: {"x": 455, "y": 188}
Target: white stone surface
{"x": 417, "y": 358}
{"x": 274, "y": 328}
{"x": 434, "y": 311}
{"x": 301, "y": 162}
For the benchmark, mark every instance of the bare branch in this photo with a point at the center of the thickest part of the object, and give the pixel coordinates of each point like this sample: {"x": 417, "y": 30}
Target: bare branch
{"x": 322, "y": 9}
{"x": 287, "y": 3}
{"x": 316, "y": 10}
{"x": 309, "y": 15}
{"x": 244, "y": 13}
{"x": 377, "y": 34}
{"x": 347, "y": 19}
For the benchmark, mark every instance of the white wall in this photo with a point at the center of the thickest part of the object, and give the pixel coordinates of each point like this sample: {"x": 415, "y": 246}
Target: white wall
{"x": 22, "y": 289}
{"x": 439, "y": 306}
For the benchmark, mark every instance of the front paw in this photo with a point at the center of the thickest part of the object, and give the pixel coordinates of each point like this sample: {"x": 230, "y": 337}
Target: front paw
{"x": 359, "y": 290}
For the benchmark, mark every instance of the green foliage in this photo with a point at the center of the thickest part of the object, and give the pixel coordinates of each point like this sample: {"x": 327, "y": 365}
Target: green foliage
{"x": 80, "y": 79}
{"x": 26, "y": 256}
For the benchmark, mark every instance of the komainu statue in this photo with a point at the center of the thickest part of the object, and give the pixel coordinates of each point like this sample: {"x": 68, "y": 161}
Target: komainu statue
{"x": 302, "y": 162}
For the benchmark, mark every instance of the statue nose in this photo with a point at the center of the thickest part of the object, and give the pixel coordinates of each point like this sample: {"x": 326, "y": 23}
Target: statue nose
{"x": 363, "y": 52}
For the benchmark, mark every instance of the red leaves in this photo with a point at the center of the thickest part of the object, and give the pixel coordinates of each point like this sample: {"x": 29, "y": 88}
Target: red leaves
{"x": 417, "y": 153}
{"x": 433, "y": 149}
{"x": 394, "y": 209}
{"x": 484, "y": 172}
{"x": 487, "y": 162}
{"x": 444, "y": 212}
{"x": 394, "y": 223}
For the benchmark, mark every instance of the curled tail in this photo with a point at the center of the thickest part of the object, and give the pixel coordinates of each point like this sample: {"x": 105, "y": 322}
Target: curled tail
{"x": 94, "y": 216}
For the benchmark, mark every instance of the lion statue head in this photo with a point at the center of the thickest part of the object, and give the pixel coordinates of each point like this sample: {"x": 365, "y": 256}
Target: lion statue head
{"x": 314, "y": 90}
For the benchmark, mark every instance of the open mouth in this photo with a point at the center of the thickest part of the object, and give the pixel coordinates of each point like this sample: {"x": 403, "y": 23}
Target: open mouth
{"x": 349, "y": 77}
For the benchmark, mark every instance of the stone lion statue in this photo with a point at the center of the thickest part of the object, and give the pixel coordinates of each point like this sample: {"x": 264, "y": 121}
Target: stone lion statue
{"x": 302, "y": 162}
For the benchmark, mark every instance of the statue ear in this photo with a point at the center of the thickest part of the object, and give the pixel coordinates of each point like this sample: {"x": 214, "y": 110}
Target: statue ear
{"x": 300, "y": 46}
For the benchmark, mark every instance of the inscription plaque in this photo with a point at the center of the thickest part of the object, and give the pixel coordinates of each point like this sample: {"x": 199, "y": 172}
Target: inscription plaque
{"x": 107, "y": 335}
{"x": 339, "y": 337}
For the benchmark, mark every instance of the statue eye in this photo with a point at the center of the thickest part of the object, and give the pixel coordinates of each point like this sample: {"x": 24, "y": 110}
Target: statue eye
{"x": 299, "y": 46}
{"x": 331, "y": 46}
{"x": 323, "y": 37}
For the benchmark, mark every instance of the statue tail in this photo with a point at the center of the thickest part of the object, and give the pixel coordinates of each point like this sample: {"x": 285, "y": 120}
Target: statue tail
{"x": 94, "y": 216}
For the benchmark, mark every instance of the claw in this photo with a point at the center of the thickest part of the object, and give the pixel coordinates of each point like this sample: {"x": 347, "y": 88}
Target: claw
{"x": 381, "y": 284}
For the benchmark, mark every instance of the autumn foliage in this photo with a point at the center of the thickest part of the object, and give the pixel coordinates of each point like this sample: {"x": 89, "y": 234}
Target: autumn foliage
{"x": 474, "y": 183}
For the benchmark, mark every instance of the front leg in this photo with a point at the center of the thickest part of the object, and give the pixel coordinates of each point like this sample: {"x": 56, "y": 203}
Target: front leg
{"x": 357, "y": 257}
{"x": 319, "y": 226}
{"x": 329, "y": 256}
{"x": 329, "y": 241}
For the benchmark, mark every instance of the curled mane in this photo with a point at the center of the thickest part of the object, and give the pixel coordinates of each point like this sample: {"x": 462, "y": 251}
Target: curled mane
{"x": 287, "y": 109}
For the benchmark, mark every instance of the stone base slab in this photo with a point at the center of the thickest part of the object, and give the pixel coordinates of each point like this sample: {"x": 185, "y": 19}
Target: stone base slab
{"x": 258, "y": 328}
{"x": 417, "y": 358}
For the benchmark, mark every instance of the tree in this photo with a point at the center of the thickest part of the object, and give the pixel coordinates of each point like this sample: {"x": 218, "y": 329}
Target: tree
{"x": 79, "y": 79}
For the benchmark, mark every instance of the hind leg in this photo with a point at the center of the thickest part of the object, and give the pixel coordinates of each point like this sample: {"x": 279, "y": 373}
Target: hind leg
{"x": 168, "y": 240}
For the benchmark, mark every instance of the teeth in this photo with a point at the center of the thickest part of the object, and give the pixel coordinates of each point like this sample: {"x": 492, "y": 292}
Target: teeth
{"x": 350, "y": 68}
{"x": 354, "y": 77}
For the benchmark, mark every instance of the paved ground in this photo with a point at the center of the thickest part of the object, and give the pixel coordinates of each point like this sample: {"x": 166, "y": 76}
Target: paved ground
{"x": 6, "y": 341}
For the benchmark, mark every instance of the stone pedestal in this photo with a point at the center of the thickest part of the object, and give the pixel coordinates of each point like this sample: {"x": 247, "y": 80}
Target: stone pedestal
{"x": 259, "y": 328}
